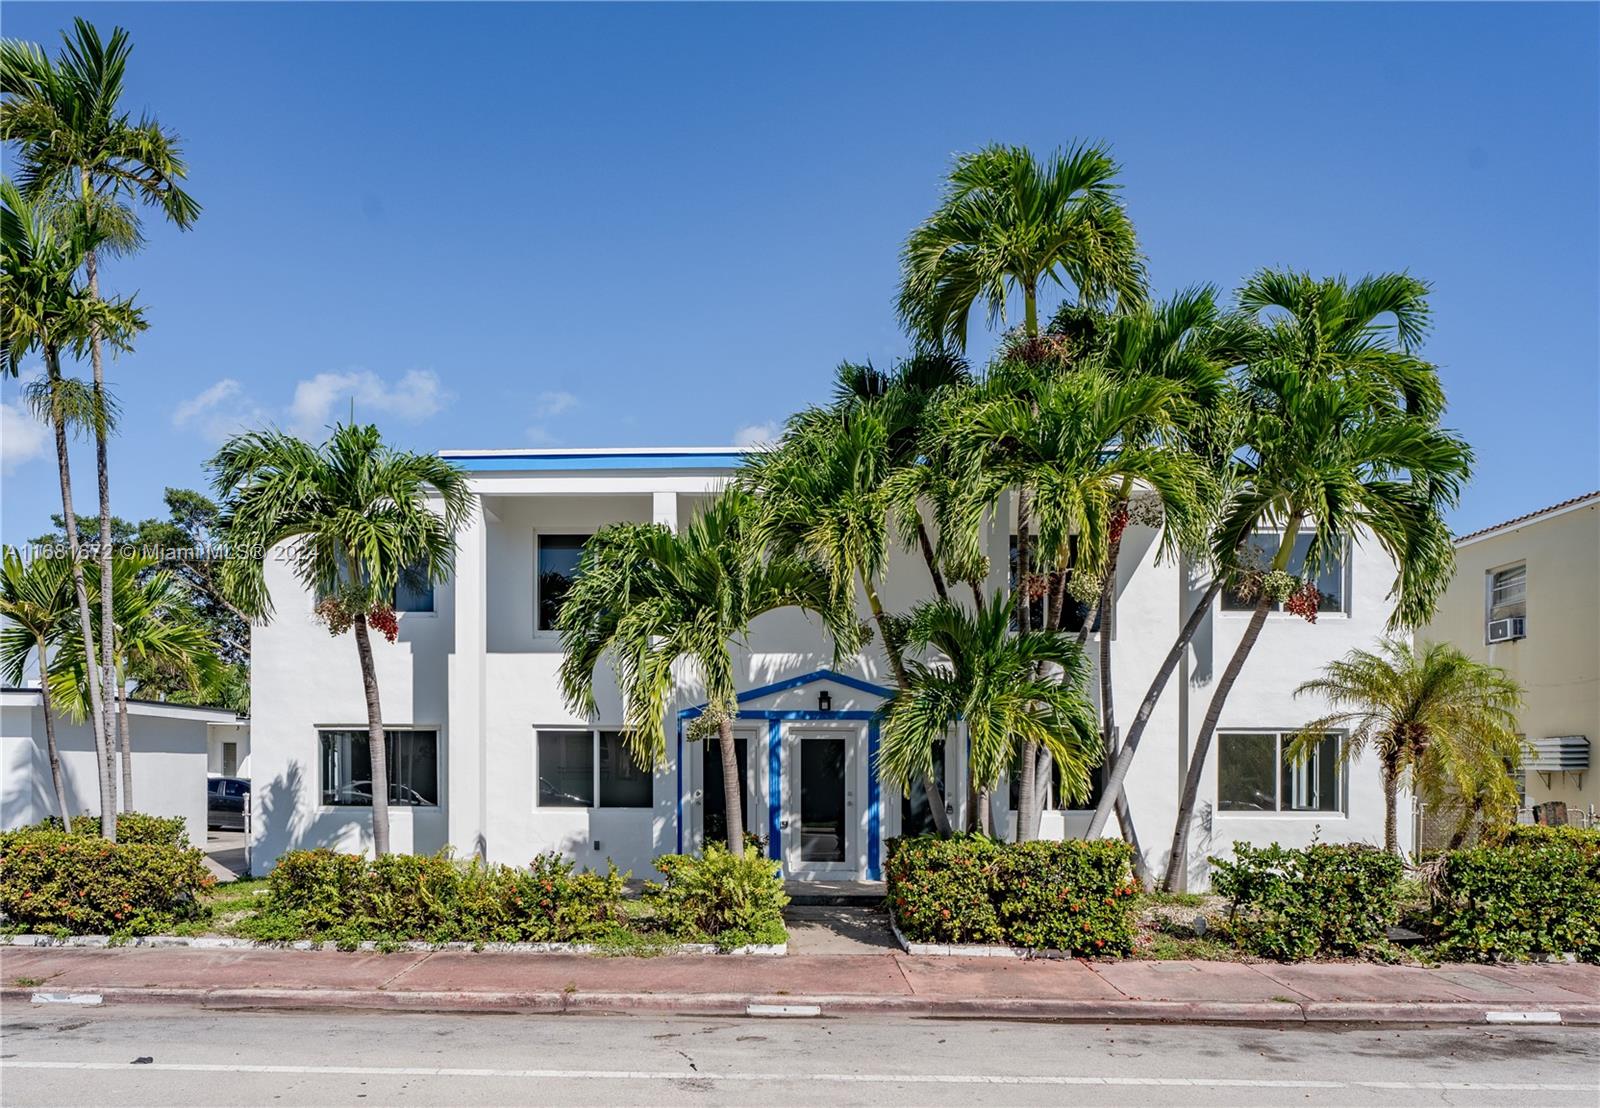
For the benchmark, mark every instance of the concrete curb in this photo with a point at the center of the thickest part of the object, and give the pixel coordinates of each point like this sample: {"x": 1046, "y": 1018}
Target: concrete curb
{"x": 741, "y": 1004}
{"x": 974, "y": 950}
{"x": 223, "y": 942}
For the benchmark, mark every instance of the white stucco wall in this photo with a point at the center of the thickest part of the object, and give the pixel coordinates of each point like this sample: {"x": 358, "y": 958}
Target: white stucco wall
{"x": 478, "y": 672}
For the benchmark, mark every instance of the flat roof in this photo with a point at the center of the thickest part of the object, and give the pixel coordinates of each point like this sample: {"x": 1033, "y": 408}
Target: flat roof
{"x": 599, "y": 458}
{"x": 143, "y": 707}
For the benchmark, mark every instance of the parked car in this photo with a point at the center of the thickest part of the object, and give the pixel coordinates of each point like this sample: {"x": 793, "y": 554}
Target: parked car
{"x": 227, "y": 803}
{"x": 360, "y": 792}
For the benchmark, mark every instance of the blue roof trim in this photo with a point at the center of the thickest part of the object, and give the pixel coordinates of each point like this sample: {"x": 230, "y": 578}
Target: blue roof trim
{"x": 823, "y": 674}
{"x": 653, "y": 459}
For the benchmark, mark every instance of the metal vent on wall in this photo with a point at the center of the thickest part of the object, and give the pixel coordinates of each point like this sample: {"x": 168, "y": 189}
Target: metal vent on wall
{"x": 1558, "y": 754}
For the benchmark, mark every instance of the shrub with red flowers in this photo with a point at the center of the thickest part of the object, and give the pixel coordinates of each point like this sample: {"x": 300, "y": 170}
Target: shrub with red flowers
{"x": 346, "y": 898}
{"x": 59, "y": 882}
{"x": 1075, "y": 897}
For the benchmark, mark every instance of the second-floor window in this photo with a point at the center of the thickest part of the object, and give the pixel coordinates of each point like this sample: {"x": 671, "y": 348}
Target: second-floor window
{"x": 1263, "y": 548}
{"x": 1508, "y": 594}
{"x": 1075, "y": 612}
{"x": 557, "y": 568}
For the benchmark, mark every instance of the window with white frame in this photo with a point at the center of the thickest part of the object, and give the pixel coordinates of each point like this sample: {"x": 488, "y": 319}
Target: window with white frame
{"x": 1255, "y": 773}
{"x": 413, "y": 767}
{"x": 1263, "y": 548}
{"x": 412, "y": 593}
{"x": 1508, "y": 593}
{"x": 557, "y": 557}
{"x": 588, "y": 769}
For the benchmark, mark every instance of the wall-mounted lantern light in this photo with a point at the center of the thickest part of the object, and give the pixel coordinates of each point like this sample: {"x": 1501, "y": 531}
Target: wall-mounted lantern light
{"x": 824, "y": 701}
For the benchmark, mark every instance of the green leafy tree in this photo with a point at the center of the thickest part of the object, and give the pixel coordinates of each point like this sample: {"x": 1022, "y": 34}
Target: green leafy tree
{"x": 1430, "y": 714}
{"x": 1340, "y": 442}
{"x": 658, "y": 601}
{"x": 351, "y": 516}
{"x": 1008, "y": 223}
{"x": 36, "y": 599}
{"x": 44, "y": 308}
{"x": 993, "y": 681}
{"x": 86, "y": 157}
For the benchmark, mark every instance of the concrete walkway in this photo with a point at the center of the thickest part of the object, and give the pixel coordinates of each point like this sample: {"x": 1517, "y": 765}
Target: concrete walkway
{"x": 881, "y": 982}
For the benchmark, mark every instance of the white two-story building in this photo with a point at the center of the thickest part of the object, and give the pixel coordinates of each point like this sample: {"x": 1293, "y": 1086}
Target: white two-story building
{"x": 486, "y": 758}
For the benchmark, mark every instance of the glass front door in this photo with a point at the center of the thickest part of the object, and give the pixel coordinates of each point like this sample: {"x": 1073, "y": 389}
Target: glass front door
{"x": 822, "y": 810}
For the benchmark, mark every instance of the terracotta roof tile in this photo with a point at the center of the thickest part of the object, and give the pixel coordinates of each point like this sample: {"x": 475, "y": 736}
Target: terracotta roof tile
{"x": 1530, "y": 515}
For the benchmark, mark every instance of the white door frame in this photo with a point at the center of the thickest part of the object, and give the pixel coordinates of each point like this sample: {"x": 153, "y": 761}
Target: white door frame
{"x": 854, "y": 864}
{"x": 755, "y": 790}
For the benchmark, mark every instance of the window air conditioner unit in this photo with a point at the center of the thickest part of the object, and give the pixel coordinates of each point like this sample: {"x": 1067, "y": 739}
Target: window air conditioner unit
{"x": 1505, "y": 630}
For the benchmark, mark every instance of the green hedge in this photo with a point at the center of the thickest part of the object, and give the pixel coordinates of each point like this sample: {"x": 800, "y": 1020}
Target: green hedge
{"x": 720, "y": 897}
{"x": 132, "y": 827}
{"x": 1074, "y": 896}
{"x": 57, "y": 882}
{"x": 1538, "y": 893}
{"x": 1324, "y": 899}
{"x": 346, "y": 898}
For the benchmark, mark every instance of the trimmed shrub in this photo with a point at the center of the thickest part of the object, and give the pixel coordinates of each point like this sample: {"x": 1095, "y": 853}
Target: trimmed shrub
{"x": 347, "y": 898}
{"x": 718, "y": 897}
{"x": 1539, "y": 893}
{"x": 65, "y": 883}
{"x": 1324, "y": 899}
{"x": 132, "y": 827}
{"x": 1073, "y": 896}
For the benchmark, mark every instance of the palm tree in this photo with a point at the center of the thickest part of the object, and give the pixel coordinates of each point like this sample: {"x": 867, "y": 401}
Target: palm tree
{"x": 656, "y": 600}
{"x": 1007, "y": 223}
{"x": 79, "y": 151}
{"x": 1074, "y": 445}
{"x": 42, "y": 307}
{"x": 826, "y": 494}
{"x": 36, "y": 599}
{"x": 993, "y": 681}
{"x": 1340, "y": 441}
{"x": 150, "y": 627}
{"x": 353, "y": 515}
{"x": 1429, "y": 713}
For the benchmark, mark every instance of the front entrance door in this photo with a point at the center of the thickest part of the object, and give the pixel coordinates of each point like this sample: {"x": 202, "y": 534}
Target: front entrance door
{"x": 821, "y": 802}
{"x": 708, "y": 819}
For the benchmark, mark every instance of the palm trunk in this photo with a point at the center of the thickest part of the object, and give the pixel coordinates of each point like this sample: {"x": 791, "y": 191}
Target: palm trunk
{"x": 1391, "y": 808}
{"x": 1130, "y": 745}
{"x": 102, "y": 738}
{"x": 933, "y": 563}
{"x": 375, "y": 743}
{"x": 930, "y": 787}
{"x": 1026, "y": 815}
{"x": 52, "y": 751}
{"x": 1177, "y": 862}
{"x": 103, "y": 474}
{"x": 127, "y": 743}
{"x": 732, "y": 794}
{"x": 985, "y": 813}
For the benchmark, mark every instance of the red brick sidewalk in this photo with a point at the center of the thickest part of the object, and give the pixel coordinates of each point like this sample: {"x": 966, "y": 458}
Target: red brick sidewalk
{"x": 464, "y": 981}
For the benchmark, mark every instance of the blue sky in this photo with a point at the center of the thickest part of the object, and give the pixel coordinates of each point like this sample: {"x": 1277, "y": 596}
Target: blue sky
{"x": 505, "y": 225}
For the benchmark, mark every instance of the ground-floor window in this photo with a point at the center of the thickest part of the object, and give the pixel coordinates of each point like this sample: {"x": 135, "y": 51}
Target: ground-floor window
{"x": 575, "y": 767}
{"x": 916, "y": 816}
{"x": 1053, "y": 801}
{"x": 1256, "y": 774}
{"x": 413, "y": 758}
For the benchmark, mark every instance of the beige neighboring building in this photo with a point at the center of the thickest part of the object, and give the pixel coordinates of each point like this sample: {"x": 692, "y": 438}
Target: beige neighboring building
{"x": 1526, "y": 597}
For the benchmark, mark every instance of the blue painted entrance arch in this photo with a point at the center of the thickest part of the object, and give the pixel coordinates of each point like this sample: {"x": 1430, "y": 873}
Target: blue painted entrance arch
{"x": 775, "y": 720}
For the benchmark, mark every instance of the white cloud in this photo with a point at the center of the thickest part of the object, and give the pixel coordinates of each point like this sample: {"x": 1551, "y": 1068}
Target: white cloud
{"x": 539, "y": 435}
{"x": 22, "y": 438}
{"x": 550, "y": 404}
{"x": 757, "y": 434}
{"x": 327, "y": 397}
{"x": 219, "y": 411}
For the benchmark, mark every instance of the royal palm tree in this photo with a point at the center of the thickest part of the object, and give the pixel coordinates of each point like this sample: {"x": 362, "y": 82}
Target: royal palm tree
{"x": 1073, "y": 445}
{"x": 827, "y": 494}
{"x": 1006, "y": 224}
{"x": 80, "y": 152}
{"x": 994, "y": 682}
{"x": 661, "y": 603}
{"x": 44, "y": 308}
{"x": 36, "y": 599}
{"x": 353, "y": 516}
{"x": 1430, "y": 713}
{"x": 1340, "y": 442}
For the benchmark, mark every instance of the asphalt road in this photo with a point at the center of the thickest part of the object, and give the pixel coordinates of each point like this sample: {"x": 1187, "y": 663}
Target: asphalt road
{"x": 175, "y": 1056}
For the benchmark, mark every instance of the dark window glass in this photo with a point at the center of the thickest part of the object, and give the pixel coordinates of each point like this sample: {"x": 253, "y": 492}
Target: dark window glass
{"x": 1053, "y": 801}
{"x": 916, "y": 817}
{"x": 413, "y": 758}
{"x": 236, "y": 788}
{"x": 1074, "y": 612}
{"x": 414, "y": 593}
{"x": 714, "y": 812}
{"x": 1312, "y": 785}
{"x": 822, "y": 799}
{"x": 622, "y": 783}
{"x": 1264, "y": 548}
{"x": 1247, "y": 773}
{"x": 558, "y": 568}
{"x": 566, "y": 769}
